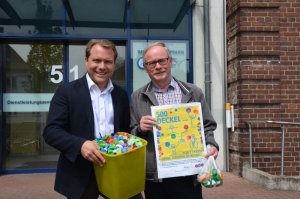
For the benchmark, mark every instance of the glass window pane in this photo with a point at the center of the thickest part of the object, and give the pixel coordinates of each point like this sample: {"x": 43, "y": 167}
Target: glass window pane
{"x": 32, "y": 72}
{"x": 31, "y": 17}
{"x": 180, "y": 61}
{"x": 104, "y": 18}
{"x": 119, "y": 76}
{"x": 76, "y": 61}
{"x": 161, "y": 18}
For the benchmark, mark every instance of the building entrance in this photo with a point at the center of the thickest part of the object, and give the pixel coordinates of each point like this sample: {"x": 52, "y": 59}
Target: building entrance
{"x": 31, "y": 74}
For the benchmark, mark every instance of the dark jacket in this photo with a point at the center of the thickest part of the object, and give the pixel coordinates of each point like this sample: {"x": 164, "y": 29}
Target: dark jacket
{"x": 141, "y": 101}
{"x": 69, "y": 124}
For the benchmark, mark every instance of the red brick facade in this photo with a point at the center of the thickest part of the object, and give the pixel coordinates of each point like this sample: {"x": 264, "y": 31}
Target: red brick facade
{"x": 263, "y": 59}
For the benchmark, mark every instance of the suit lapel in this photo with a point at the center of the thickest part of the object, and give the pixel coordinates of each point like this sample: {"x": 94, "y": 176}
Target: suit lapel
{"x": 85, "y": 97}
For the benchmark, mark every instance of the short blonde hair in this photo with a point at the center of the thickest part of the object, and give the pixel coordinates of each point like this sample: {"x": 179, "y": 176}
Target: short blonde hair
{"x": 159, "y": 43}
{"x": 102, "y": 42}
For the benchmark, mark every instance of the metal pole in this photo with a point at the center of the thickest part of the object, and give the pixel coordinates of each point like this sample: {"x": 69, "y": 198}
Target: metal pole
{"x": 250, "y": 141}
{"x": 282, "y": 151}
{"x": 207, "y": 54}
{"x": 249, "y": 122}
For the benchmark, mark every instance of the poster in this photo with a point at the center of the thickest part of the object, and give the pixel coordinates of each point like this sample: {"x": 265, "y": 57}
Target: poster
{"x": 179, "y": 139}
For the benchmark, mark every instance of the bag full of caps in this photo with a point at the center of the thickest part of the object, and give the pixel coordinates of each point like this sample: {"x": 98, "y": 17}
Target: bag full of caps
{"x": 210, "y": 175}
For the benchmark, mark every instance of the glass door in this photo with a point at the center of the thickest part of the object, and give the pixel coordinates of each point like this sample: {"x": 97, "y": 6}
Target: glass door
{"x": 30, "y": 77}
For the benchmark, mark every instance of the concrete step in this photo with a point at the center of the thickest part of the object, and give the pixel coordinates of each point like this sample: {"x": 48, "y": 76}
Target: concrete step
{"x": 271, "y": 182}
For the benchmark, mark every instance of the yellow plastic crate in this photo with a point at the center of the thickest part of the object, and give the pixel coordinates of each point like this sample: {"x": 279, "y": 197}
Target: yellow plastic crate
{"x": 123, "y": 175}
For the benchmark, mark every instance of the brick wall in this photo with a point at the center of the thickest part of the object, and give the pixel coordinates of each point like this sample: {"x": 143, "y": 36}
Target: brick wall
{"x": 263, "y": 53}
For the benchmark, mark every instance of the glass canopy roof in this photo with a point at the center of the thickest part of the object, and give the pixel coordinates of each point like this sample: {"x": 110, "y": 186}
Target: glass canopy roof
{"x": 144, "y": 14}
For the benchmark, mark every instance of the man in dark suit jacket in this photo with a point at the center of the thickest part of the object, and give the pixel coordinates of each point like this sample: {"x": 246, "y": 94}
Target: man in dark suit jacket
{"x": 71, "y": 124}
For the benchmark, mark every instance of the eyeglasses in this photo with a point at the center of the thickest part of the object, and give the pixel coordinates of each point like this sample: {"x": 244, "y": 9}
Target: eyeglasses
{"x": 152, "y": 64}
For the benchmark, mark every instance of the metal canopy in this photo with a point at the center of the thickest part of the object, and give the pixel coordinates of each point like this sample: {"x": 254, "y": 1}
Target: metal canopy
{"x": 9, "y": 10}
{"x": 144, "y": 14}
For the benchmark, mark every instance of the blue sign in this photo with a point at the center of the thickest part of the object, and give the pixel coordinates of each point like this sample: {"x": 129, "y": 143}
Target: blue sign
{"x": 140, "y": 63}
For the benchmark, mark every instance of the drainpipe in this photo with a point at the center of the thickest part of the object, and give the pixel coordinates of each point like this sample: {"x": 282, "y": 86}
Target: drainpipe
{"x": 226, "y": 130}
{"x": 207, "y": 80}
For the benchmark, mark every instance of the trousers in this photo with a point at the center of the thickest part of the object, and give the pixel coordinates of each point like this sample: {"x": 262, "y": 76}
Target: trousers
{"x": 173, "y": 188}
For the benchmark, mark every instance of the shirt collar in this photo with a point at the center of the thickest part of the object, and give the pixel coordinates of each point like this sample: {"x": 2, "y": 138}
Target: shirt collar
{"x": 91, "y": 83}
{"x": 172, "y": 84}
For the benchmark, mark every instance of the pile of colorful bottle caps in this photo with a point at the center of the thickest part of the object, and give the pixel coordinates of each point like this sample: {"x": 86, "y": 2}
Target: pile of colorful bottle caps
{"x": 213, "y": 178}
{"x": 115, "y": 144}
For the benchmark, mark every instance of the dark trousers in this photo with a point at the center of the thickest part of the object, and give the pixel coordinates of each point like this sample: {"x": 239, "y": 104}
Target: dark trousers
{"x": 173, "y": 188}
{"x": 92, "y": 192}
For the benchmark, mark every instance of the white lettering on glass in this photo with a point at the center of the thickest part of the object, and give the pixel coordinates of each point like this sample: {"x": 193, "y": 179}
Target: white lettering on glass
{"x": 75, "y": 70}
{"x": 56, "y": 70}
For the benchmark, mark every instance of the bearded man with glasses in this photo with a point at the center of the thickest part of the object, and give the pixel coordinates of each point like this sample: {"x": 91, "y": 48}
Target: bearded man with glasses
{"x": 163, "y": 89}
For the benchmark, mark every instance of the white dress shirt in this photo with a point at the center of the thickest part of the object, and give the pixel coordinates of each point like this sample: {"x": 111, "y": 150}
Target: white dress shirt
{"x": 102, "y": 108}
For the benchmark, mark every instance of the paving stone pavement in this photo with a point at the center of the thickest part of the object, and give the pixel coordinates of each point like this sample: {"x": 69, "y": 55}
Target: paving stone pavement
{"x": 32, "y": 186}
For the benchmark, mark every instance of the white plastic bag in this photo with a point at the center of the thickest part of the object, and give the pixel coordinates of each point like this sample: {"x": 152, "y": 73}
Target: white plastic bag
{"x": 210, "y": 175}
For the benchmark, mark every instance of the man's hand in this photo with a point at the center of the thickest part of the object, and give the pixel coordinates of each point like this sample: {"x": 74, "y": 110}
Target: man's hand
{"x": 212, "y": 152}
{"x": 90, "y": 151}
{"x": 146, "y": 123}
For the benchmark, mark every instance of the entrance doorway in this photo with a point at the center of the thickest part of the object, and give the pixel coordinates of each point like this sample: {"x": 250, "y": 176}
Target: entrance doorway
{"x": 31, "y": 73}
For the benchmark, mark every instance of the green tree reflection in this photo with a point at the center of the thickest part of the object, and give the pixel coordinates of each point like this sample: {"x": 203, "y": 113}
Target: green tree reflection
{"x": 42, "y": 56}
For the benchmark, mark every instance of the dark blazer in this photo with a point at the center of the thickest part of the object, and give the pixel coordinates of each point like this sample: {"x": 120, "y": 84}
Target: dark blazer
{"x": 69, "y": 124}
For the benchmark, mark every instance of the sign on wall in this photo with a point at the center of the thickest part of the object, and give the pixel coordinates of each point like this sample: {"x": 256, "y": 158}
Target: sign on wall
{"x": 22, "y": 102}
